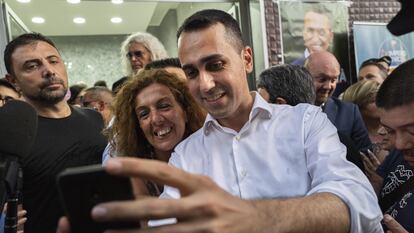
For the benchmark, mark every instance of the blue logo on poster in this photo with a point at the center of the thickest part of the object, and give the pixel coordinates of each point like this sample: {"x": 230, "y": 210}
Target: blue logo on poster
{"x": 394, "y": 48}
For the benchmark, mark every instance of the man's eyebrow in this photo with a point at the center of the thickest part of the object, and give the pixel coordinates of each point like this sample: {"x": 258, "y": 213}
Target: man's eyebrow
{"x": 37, "y": 60}
{"x": 31, "y": 60}
{"x": 203, "y": 60}
{"x": 52, "y": 56}
{"x": 411, "y": 124}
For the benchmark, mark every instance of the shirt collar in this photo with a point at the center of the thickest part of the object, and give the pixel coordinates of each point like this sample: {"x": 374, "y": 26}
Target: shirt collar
{"x": 306, "y": 53}
{"x": 260, "y": 109}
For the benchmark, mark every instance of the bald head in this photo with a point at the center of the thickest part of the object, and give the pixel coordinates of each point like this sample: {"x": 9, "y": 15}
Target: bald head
{"x": 325, "y": 70}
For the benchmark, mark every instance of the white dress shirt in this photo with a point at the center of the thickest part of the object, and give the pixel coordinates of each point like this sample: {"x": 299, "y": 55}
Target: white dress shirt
{"x": 281, "y": 151}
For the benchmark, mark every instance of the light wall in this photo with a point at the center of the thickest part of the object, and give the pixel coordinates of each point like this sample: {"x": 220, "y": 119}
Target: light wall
{"x": 91, "y": 58}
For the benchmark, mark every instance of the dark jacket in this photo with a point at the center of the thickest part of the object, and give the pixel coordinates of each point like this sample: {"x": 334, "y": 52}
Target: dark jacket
{"x": 347, "y": 119}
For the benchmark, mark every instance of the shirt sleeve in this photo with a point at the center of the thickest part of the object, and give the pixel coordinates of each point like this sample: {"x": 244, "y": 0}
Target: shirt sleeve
{"x": 331, "y": 172}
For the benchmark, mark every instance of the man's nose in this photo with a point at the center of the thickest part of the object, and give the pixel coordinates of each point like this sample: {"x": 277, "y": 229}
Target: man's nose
{"x": 206, "y": 81}
{"x": 48, "y": 70}
{"x": 327, "y": 85}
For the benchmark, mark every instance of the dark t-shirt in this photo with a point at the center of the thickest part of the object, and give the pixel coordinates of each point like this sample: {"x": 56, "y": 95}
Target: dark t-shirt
{"x": 395, "y": 172}
{"x": 60, "y": 143}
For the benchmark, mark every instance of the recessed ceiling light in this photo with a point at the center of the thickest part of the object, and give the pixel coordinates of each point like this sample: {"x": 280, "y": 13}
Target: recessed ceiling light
{"x": 38, "y": 20}
{"x": 117, "y": 1}
{"x": 23, "y": 1}
{"x": 73, "y": 1}
{"x": 116, "y": 20}
{"x": 79, "y": 20}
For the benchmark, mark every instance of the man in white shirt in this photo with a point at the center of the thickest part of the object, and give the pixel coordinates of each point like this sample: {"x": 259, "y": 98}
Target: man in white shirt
{"x": 253, "y": 167}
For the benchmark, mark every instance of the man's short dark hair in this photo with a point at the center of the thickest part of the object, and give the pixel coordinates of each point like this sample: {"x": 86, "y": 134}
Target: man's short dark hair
{"x": 290, "y": 82}
{"x": 22, "y": 40}
{"x": 398, "y": 89}
{"x": 97, "y": 93}
{"x": 375, "y": 62}
{"x": 75, "y": 90}
{"x": 100, "y": 83}
{"x": 206, "y": 18}
{"x": 164, "y": 63}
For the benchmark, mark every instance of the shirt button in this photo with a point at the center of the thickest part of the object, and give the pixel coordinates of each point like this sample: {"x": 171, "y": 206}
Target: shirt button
{"x": 243, "y": 173}
{"x": 237, "y": 137}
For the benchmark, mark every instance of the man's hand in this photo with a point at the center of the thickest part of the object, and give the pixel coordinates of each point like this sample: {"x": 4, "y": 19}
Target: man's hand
{"x": 204, "y": 207}
{"x": 393, "y": 225}
{"x": 21, "y": 216}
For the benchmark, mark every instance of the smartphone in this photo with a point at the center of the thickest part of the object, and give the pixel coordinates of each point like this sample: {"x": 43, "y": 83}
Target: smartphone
{"x": 82, "y": 188}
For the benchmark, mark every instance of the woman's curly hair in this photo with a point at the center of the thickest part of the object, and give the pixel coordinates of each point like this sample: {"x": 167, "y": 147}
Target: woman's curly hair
{"x": 126, "y": 136}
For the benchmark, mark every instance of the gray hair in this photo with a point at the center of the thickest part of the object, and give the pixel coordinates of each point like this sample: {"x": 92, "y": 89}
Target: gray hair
{"x": 149, "y": 41}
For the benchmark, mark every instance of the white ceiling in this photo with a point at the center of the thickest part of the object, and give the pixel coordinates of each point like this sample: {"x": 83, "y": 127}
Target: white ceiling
{"x": 58, "y": 15}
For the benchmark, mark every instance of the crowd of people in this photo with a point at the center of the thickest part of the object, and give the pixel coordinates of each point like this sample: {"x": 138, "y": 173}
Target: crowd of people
{"x": 209, "y": 154}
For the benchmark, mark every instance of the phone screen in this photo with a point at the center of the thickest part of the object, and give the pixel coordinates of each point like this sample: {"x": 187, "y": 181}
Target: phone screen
{"x": 82, "y": 188}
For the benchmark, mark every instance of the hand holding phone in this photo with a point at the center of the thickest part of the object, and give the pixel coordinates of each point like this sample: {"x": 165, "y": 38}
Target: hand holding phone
{"x": 82, "y": 188}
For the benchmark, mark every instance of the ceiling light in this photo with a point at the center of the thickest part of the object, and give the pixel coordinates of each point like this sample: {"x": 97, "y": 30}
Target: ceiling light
{"x": 73, "y": 1}
{"x": 116, "y": 20}
{"x": 23, "y": 1}
{"x": 79, "y": 20}
{"x": 117, "y": 1}
{"x": 38, "y": 20}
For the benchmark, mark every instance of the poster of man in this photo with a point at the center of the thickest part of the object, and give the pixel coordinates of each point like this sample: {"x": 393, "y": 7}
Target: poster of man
{"x": 309, "y": 27}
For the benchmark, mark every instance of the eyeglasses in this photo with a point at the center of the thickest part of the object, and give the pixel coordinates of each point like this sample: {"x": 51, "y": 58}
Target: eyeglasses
{"x": 137, "y": 54}
{"x": 5, "y": 99}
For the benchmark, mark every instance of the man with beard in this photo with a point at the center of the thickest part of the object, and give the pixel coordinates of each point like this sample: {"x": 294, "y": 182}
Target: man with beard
{"x": 67, "y": 136}
{"x": 325, "y": 70}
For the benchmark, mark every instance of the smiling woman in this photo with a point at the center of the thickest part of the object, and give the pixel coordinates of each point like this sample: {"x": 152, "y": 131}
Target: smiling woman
{"x": 153, "y": 112}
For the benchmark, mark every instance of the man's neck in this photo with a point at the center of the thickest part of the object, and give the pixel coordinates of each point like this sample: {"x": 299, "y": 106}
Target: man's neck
{"x": 58, "y": 110}
{"x": 237, "y": 121}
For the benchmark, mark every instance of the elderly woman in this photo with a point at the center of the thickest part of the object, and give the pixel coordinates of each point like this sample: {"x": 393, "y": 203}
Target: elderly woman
{"x": 137, "y": 51}
{"x": 153, "y": 112}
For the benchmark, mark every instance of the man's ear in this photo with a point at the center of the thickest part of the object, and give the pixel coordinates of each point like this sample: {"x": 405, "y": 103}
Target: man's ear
{"x": 280, "y": 100}
{"x": 13, "y": 81}
{"x": 248, "y": 59}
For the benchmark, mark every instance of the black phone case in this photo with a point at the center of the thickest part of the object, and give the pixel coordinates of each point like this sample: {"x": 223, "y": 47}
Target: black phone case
{"x": 81, "y": 188}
